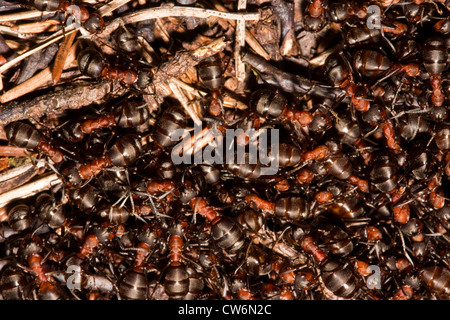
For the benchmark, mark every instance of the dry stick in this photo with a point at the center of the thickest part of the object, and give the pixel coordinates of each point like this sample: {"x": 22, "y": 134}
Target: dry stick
{"x": 18, "y": 180}
{"x": 61, "y": 60}
{"x": 165, "y": 36}
{"x": 148, "y": 52}
{"x": 24, "y": 15}
{"x": 37, "y": 27}
{"x": 75, "y": 97}
{"x": 11, "y": 151}
{"x": 183, "y": 60}
{"x": 30, "y": 189}
{"x": 249, "y": 38}
{"x": 18, "y": 46}
{"x": 14, "y": 172}
{"x": 84, "y": 95}
{"x": 184, "y": 103}
{"x": 154, "y": 13}
{"x": 37, "y": 81}
{"x": 48, "y": 42}
{"x": 7, "y": 31}
{"x": 239, "y": 43}
{"x": 111, "y": 6}
{"x": 183, "y": 85}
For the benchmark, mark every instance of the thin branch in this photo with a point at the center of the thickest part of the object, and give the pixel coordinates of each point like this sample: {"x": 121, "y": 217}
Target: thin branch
{"x": 111, "y": 6}
{"x": 239, "y": 44}
{"x": 48, "y": 42}
{"x": 24, "y": 15}
{"x": 38, "y": 27}
{"x": 14, "y": 172}
{"x": 74, "y": 97}
{"x": 42, "y": 78}
{"x": 153, "y": 13}
{"x": 185, "y": 103}
{"x": 30, "y": 189}
{"x": 249, "y": 38}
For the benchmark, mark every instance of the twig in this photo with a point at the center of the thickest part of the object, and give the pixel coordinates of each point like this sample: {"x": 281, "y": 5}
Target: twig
{"x": 239, "y": 44}
{"x": 184, "y": 60}
{"x": 111, "y": 6}
{"x": 249, "y": 38}
{"x": 18, "y": 180}
{"x": 10, "y": 151}
{"x": 37, "y": 81}
{"x": 5, "y": 30}
{"x": 48, "y": 42}
{"x": 24, "y": 15}
{"x": 62, "y": 59}
{"x": 154, "y": 13}
{"x": 165, "y": 36}
{"x": 184, "y": 103}
{"x": 14, "y": 172}
{"x": 29, "y": 189}
{"x": 75, "y": 97}
{"x": 38, "y": 27}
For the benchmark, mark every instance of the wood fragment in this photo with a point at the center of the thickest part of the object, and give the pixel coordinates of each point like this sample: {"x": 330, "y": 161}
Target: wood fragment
{"x": 46, "y": 43}
{"x": 111, "y": 6}
{"x": 24, "y": 15}
{"x": 184, "y": 103}
{"x": 30, "y": 189}
{"x": 11, "y": 151}
{"x": 239, "y": 44}
{"x": 38, "y": 27}
{"x": 42, "y": 78}
{"x": 154, "y": 13}
{"x": 62, "y": 57}
{"x": 183, "y": 60}
{"x": 18, "y": 180}
{"x": 249, "y": 38}
{"x": 72, "y": 97}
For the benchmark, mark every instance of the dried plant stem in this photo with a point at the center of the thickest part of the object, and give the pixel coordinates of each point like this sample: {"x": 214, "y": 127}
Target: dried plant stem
{"x": 42, "y": 78}
{"x": 184, "y": 102}
{"x": 14, "y": 172}
{"x": 10, "y": 151}
{"x": 239, "y": 44}
{"x": 30, "y": 189}
{"x": 24, "y": 15}
{"x": 249, "y": 38}
{"x": 48, "y": 42}
{"x": 111, "y": 6}
{"x": 62, "y": 58}
{"x": 38, "y": 27}
{"x": 78, "y": 96}
{"x": 154, "y": 13}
